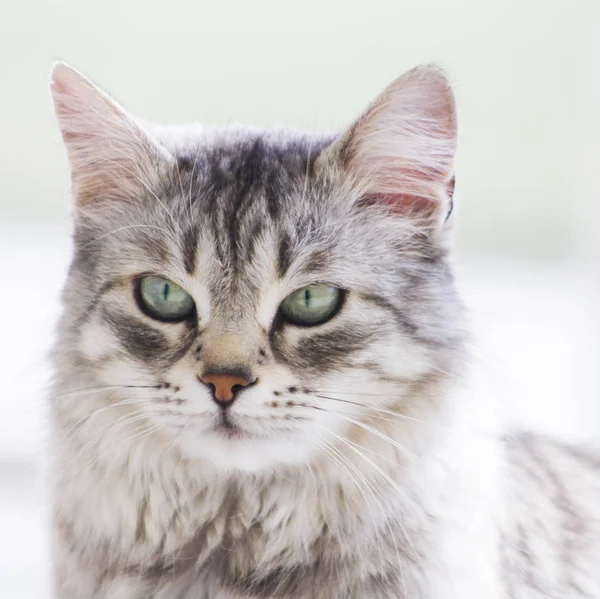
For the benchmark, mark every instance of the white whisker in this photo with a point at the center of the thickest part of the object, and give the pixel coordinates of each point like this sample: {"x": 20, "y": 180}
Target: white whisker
{"x": 386, "y": 477}
{"x": 87, "y": 417}
{"x": 379, "y": 434}
{"x": 367, "y": 407}
{"x": 114, "y": 386}
{"x": 335, "y": 456}
{"x": 378, "y": 498}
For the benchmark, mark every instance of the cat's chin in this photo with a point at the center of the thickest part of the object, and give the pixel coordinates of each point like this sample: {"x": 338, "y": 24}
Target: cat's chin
{"x": 235, "y": 450}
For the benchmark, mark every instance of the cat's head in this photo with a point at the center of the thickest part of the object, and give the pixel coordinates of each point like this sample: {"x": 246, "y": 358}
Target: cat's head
{"x": 253, "y": 297}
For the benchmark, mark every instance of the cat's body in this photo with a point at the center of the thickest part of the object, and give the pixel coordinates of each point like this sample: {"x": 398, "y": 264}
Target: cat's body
{"x": 356, "y": 464}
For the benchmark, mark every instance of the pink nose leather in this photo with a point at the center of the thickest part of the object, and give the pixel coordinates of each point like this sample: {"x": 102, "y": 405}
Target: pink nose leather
{"x": 223, "y": 385}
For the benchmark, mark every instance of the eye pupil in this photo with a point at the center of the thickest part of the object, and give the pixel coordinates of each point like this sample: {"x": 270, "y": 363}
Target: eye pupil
{"x": 164, "y": 300}
{"x": 311, "y": 305}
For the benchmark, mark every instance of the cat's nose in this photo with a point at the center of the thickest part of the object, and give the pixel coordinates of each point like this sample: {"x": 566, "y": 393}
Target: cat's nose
{"x": 226, "y": 385}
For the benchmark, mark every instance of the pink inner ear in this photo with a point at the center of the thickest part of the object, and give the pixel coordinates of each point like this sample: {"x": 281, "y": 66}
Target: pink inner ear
{"x": 409, "y": 204}
{"x": 401, "y": 151}
{"x": 400, "y": 203}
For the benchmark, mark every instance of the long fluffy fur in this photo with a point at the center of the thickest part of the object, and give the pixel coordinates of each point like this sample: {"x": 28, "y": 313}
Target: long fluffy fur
{"x": 370, "y": 469}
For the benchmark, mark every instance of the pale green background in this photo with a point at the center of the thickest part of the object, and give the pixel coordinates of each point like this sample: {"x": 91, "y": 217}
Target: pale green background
{"x": 522, "y": 70}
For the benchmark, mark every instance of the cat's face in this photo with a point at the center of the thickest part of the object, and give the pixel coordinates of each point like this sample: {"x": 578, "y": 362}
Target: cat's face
{"x": 256, "y": 298}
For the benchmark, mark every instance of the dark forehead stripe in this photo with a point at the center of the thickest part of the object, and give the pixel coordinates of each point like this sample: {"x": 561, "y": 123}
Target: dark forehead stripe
{"x": 189, "y": 231}
{"x": 315, "y": 262}
{"x": 240, "y": 186}
{"x": 284, "y": 253}
{"x": 189, "y": 242}
{"x": 256, "y": 231}
{"x": 251, "y": 173}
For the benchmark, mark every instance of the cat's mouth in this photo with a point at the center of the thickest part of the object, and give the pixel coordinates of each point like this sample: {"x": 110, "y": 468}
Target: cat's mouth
{"x": 226, "y": 428}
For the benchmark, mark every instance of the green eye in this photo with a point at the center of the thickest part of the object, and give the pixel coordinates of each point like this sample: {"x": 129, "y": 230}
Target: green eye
{"x": 311, "y": 305}
{"x": 164, "y": 300}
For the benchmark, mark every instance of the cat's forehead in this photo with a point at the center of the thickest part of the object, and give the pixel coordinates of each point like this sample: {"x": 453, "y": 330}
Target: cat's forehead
{"x": 247, "y": 195}
{"x": 247, "y": 158}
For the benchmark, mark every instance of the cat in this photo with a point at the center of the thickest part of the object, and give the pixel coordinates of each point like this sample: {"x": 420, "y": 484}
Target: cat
{"x": 262, "y": 373}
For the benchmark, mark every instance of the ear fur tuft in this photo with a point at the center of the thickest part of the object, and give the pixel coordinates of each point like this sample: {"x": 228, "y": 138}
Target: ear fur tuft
{"x": 401, "y": 151}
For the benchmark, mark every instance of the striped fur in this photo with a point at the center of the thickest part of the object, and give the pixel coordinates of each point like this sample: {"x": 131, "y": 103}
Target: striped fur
{"x": 367, "y": 467}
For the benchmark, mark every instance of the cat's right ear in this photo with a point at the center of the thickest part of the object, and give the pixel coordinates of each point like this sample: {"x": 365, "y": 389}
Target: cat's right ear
{"x": 112, "y": 157}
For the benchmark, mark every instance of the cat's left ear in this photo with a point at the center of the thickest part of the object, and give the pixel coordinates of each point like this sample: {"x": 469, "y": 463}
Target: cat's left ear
{"x": 112, "y": 156}
{"x": 400, "y": 153}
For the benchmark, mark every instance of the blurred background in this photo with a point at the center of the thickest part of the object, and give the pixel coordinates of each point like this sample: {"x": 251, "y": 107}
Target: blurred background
{"x": 527, "y": 80}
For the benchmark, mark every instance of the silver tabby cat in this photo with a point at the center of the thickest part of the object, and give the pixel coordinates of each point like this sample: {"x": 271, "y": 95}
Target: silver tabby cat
{"x": 262, "y": 384}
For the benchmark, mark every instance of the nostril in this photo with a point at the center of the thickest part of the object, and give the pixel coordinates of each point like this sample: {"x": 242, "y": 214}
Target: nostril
{"x": 225, "y": 386}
